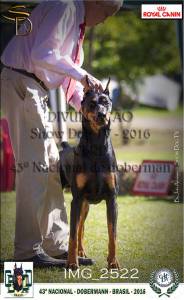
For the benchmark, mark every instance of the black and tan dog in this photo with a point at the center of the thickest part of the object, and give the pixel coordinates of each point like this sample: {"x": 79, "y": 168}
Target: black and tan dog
{"x": 90, "y": 170}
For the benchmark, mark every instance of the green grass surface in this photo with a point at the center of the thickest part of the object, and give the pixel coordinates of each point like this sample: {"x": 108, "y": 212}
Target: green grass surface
{"x": 143, "y": 155}
{"x": 149, "y": 237}
{"x": 142, "y": 110}
{"x": 157, "y": 112}
{"x": 160, "y": 146}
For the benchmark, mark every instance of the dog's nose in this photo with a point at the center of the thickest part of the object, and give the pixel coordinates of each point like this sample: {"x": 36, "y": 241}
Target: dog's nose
{"x": 101, "y": 115}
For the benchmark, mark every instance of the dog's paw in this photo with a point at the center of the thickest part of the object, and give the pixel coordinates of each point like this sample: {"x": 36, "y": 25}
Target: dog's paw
{"x": 113, "y": 264}
{"x": 72, "y": 265}
{"x": 82, "y": 253}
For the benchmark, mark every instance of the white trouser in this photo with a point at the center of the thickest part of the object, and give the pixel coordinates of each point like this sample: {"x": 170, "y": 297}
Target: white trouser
{"x": 40, "y": 209}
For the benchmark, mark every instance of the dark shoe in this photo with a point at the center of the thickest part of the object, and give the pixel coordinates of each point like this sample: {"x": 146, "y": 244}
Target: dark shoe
{"x": 62, "y": 256}
{"x": 84, "y": 261}
{"x": 41, "y": 259}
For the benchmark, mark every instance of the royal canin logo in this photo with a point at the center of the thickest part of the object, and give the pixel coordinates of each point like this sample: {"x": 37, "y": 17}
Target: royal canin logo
{"x": 167, "y": 11}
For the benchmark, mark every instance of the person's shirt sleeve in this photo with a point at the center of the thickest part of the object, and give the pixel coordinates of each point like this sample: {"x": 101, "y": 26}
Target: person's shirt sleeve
{"x": 54, "y": 32}
{"x": 77, "y": 97}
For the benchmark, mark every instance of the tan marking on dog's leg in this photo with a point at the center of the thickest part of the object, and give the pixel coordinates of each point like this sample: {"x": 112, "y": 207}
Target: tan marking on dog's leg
{"x": 112, "y": 261}
{"x": 75, "y": 212}
{"x": 111, "y": 180}
{"x": 81, "y": 180}
{"x": 72, "y": 254}
{"x": 84, "y": 213}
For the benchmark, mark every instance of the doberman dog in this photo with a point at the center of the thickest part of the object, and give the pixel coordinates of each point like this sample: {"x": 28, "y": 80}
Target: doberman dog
{"x": 18, "y": 278}
{"x": 91, "y": 171}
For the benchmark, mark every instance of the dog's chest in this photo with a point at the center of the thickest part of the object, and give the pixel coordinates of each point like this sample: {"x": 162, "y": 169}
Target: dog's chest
{"x": 96, "y": 186}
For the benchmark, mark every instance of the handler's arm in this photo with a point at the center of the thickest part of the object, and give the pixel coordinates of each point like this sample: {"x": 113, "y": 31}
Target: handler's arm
{"x": 54, "y": 33}
{"x": 77, "y": 97}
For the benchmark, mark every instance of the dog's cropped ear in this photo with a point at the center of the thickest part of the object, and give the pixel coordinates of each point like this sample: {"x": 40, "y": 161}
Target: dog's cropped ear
{"x": 89, "y": 84}
{"x": 82, "y": 106}
{"x": 106, "y": 91}
{"x": 87, "y": 80}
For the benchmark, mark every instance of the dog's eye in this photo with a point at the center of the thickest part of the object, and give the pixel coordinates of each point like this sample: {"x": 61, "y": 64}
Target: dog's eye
{"x": 103, "y": 101}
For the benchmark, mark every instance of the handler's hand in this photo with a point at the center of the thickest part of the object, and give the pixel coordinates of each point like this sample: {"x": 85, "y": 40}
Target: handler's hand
{"x": 89, "y": 82}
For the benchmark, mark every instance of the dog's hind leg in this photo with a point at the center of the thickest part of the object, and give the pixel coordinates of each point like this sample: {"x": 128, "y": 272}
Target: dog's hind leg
{"x": 112, "y": 213}
{"x": 72, "y": 262}
{"x": 83, "y": 215}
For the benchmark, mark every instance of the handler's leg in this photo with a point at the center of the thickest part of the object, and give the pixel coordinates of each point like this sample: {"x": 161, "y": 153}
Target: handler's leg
{"x": 53, "y": 219}
{"x": 40, "y": 210}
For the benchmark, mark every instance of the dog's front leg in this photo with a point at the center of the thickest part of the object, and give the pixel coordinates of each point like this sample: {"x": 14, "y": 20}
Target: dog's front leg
{"x": 112, "y": 214}
{"x": 83, "y": 215}
{"x": 72, "y": 262}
